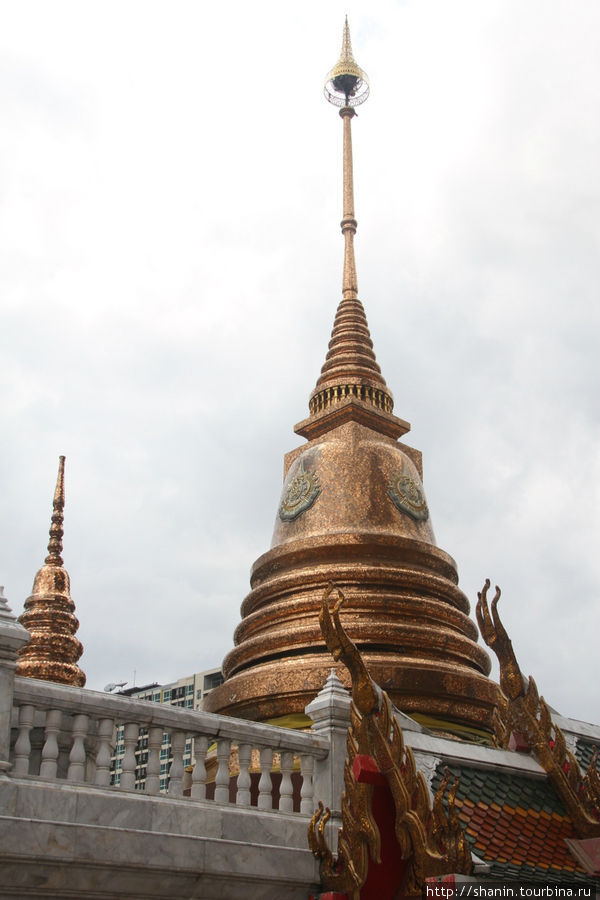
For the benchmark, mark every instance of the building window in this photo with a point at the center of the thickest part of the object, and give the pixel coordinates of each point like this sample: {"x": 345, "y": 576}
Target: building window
{"x": 213, "y": 680}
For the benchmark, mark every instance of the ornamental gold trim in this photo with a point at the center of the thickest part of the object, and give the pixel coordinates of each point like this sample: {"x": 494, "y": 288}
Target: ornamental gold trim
{"x": 521, "y": 710}
{"x": 430, "y": 837}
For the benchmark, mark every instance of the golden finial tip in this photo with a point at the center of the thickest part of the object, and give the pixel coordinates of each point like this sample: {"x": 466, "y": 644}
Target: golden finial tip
{"x": 346, "y": 84}
{"x": 56, "y": 528}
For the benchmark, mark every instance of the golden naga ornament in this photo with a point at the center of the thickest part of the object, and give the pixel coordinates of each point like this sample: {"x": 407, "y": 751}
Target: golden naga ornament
{"x": 429, "y": 838}
{"x": 523, "y": 712}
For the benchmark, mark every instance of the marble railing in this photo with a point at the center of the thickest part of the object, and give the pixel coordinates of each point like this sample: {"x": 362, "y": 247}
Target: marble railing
{"x": 65, "y": 734}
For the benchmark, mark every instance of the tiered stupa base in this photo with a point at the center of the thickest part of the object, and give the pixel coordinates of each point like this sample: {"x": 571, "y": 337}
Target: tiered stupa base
{"x": 403, "y": 610}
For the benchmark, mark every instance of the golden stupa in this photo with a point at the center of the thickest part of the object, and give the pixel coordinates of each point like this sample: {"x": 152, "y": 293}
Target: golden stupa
{"x": 353, "y": 511}
{"x": 53, "y": 650}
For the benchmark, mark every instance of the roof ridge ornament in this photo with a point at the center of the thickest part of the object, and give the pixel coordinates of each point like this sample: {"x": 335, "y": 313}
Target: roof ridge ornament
{"x": 521, "y": 711}
{"x": 429, "y": 839}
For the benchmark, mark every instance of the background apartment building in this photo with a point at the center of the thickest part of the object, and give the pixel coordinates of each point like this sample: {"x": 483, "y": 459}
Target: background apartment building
{"x": 188, "y": 692}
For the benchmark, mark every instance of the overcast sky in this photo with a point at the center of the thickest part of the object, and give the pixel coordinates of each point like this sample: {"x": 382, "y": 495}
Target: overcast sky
{"x": 170, "y": 197}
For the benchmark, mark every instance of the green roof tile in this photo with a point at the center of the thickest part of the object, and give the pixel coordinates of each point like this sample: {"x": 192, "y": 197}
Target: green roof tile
{"x": 583, "y": 753}
{"x": 516, "y": 823}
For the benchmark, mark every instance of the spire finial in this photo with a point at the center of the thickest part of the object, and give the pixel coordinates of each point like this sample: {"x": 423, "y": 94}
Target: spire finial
{"x": 346, "y": 42}
{"x": 347, "y": 86}
{"x": 350, "y": 377}
{"x": 57, "y": 526}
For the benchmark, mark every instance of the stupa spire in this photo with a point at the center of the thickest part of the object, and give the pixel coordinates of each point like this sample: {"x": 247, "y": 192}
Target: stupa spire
{"x": 347, "y": 86}
{"x": 350, "y": 385}
{"x": 346, "y": 54}
{"x": 53, "y": 651}
{"x": 55, "y": 545}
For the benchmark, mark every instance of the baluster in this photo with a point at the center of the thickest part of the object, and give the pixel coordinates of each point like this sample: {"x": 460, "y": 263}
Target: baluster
{"x": 286, "y": 791}
{"x": 76, "y": 771}
{"x": 89, "y": 774}
{"x": 104, "y": 752}
{"x": 265, "y": 785}
{"x": 49, "y": 764}
{"x": 244, "y": 780}
{"x": 130, "y": 737}
{"x": 176, "y": 770}
{"x": 23, "y": 742}
{"x": 199, "y": 773}
{"x": 306, "y": 792}
{"x": 222, "y": 776}
{"x": 155, "y": 734}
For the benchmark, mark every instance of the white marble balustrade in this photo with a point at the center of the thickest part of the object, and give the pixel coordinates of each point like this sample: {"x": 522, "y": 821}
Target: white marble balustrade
{"x": 67, "y": 734}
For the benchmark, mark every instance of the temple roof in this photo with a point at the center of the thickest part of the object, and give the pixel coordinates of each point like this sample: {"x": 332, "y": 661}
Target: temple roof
{"x": 516, "y": 823}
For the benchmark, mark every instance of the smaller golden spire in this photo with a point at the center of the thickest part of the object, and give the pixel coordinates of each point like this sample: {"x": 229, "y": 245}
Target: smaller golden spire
{"x": 53, "y": 651}
{"x": 57, "y": 526}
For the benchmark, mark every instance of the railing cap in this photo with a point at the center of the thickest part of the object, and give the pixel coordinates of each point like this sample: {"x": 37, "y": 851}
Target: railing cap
{"x": 73, "y": 701}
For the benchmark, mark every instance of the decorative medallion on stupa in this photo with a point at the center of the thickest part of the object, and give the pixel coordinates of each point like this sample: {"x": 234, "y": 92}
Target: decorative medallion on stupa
{"x": 353, "y": 511}
{"x": 53, "y": 650}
